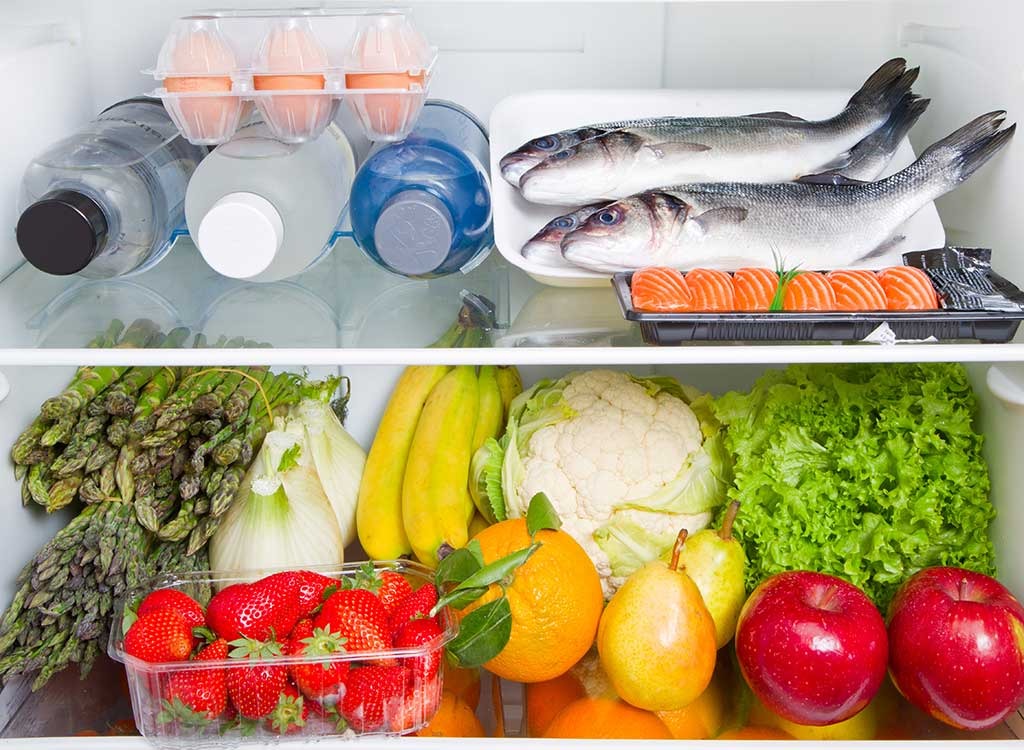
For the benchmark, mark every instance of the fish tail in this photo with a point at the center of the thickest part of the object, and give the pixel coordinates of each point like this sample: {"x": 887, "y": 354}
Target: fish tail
{"x": 881, "y": 93}
{"x": 959, "y": 155}
{"x": 888, "y": 137}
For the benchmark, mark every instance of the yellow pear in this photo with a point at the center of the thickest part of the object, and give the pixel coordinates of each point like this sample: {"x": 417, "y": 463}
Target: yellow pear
{"x": 861, "y": 726}
{"x": 715, "y": 562}
{"x": 656, "y": 638}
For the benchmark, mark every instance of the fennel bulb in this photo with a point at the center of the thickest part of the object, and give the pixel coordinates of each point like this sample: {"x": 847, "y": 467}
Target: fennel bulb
{"x": 281, "y": 519}
{"x": 337, "y": 458}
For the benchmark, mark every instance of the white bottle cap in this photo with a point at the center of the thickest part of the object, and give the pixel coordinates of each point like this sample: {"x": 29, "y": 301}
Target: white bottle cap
{"x": 240, "y": 235}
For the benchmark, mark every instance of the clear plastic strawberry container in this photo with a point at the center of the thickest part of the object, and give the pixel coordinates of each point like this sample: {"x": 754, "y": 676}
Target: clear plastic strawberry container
{"x": 397, "y": 691}
{"x": 296, "y": 67}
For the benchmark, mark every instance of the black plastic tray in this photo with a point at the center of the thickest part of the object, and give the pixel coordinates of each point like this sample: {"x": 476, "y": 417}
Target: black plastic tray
{"x": 668, "y": 329}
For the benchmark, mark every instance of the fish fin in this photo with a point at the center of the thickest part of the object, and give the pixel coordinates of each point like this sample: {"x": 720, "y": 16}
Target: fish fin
{"x": 829, "y": 178}
{"x": 960, "y": 154}
{"x": 661, "y": 150}
{"x": 720, "y": 217}
{"x": 886, "y": 87}
{"x": 777, "y": 115}
{"x": 890, "y": 244}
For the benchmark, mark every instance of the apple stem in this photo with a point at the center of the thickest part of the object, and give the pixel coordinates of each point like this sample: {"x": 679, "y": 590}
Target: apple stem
{"x": 963, "y": 589}
{"x": 677, "y": 548}
{"x": 826, "y": 600}
{"x": 730, "y": 515}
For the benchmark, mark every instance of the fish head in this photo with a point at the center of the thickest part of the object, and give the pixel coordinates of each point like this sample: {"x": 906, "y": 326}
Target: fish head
{"x": 597, "y": 163}
{"x": 517, "y": 163}
{"x": 549, "y": 239}
{"x": 627, "y": 234}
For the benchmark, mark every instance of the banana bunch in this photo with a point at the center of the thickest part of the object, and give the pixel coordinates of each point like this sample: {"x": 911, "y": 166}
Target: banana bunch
{"x": 414, "y": 495}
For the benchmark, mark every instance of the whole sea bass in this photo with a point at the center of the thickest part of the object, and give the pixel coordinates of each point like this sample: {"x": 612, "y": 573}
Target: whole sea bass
{"x": 864, "y": 162}
{"x": 613, "y": 160}
{"x": 813, "y": 226}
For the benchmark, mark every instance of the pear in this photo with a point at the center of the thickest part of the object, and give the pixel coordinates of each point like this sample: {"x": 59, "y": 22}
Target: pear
{"x": 716, "y": 561}
{"x": 656, "y": 638}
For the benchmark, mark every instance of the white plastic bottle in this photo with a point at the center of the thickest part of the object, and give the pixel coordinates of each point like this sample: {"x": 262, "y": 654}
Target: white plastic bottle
{"x": 262, "y": 210}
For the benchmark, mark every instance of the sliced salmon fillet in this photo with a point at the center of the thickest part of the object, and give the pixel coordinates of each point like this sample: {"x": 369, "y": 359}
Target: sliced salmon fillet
{"x": 660, "y": 289}
{"x": 712, "y": 290}
{"x": 908, "y": 288}
{"x": 755, "y": 289}
{"x": 857, "y": 291}
{"x": 808, "y": 291}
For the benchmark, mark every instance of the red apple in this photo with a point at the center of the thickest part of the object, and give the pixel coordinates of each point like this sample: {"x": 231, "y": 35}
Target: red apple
{"x": 812, "y": 647}
{"x": 958, "y": 646}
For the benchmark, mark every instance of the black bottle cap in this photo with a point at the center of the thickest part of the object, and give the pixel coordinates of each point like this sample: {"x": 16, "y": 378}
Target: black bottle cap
{"x": 62, "y": 232}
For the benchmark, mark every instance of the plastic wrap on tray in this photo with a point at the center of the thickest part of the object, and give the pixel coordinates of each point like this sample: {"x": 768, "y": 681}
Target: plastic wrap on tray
{"x": 964, "y": 279}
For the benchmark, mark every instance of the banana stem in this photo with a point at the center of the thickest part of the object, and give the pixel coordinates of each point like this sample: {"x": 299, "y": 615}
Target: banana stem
{"x": 677, "y": 548}
{"x": 730, "y": 515}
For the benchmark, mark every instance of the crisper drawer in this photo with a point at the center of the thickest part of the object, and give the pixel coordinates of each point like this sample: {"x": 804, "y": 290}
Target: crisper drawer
{"x": 69, "y": 713}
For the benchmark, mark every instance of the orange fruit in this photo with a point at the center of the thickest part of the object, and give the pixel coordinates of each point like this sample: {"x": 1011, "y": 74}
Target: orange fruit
{"x": 700, "y": 720}
{"x": 754, "y": 733}
{"x": 465, "y": 683}
{"x": 555, "y": 598}
{"x": 545, "y": 700}
{"x": 454, "y": 718}
{"x": 606, "y": 719}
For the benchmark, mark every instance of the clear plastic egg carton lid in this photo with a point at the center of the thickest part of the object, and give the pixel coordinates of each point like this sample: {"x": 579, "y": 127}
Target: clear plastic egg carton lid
{"x": 296, "y": 67}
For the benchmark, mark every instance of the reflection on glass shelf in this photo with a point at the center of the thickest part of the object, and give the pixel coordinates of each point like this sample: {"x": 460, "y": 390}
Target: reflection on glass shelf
{"x": 345, "y": 301}
{"x": 569, "y": 316}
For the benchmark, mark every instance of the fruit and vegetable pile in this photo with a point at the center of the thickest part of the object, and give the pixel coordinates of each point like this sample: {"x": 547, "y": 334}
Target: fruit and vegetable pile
{"x": 650, "y": 561}
{"x": 293, "y": 651}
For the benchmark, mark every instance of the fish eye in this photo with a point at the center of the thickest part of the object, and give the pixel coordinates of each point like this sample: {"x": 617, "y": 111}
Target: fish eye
{"x": 562, "y": 155}
{"x": 609, "y": 217}
{"x": 546, "y": 143}
{"x": 564, "y": 222}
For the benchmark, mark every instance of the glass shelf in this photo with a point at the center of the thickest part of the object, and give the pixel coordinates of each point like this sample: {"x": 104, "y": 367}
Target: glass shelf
{"x": 346, "y": 310}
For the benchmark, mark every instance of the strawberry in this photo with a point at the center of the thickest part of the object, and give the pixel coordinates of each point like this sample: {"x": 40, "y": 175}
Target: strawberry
{"x": 415, "y": 606}
{"x": 373, "y": 694}
{"x": 290, "y": 713}
{"x": 179, "y": 601}
{"x": 195, "y": 697}
{"x": 254, "y": 690}
{"x": 260, "y": 611}
{"x": 317, "y": 679}
{"x": 417, "y": 634}
{"x": 358, "y": 617}
{"x": 417, "y": 707}
{"x": 161, "y": 636}
{"x": 304, "y": 587}
{"x": 394, "y": 587}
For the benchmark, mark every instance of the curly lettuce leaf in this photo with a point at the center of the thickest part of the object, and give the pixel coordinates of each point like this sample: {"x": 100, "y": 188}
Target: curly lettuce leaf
{"x": 868, "y": 472}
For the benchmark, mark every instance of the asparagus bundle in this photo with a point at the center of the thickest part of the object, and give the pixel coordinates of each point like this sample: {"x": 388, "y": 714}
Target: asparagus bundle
{"x": 157, "y": 455}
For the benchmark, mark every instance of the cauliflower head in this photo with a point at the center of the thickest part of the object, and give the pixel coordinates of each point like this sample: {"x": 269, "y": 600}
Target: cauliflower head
{"x": 626, "y": 461}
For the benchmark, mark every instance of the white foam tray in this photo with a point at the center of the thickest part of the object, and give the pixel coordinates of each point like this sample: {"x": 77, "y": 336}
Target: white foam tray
{"x": 521, "y": 117}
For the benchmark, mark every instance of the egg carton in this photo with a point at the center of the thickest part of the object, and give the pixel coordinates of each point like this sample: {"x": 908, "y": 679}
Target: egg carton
{"x": 296, "y": 67}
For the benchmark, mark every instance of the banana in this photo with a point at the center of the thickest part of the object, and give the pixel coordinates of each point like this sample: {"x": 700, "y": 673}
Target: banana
{"x": 436, "y": 506}
{"x": 489, "y": 424}
{"x": 510, "y": 383}
{"x": 379, "y": 505}
{"x": 477, "y": 524}
{"x": 490, "y": 414}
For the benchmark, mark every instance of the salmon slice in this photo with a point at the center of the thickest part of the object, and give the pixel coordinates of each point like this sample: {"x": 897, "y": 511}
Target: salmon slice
{"x": 712, "y": 290}
{"x": 659, "y": 289}
{"x": 857, "y": 291}
{"x": 809, "y": 291}
{"x": 908, "y": 288}
{"x": 755, "y": 289}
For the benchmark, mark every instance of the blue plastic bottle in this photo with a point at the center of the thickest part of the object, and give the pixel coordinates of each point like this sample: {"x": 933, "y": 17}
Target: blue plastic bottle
{"x": 422, "y": 207}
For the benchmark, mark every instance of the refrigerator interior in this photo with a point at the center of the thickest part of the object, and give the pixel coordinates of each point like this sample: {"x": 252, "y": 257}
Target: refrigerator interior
{"x": 65, "y": 60}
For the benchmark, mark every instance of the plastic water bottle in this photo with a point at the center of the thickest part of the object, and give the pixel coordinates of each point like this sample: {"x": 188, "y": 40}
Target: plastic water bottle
{"x": 422, "y": 207}
{"x": 262, "y": 210}
{"x": 107, "y": 200}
